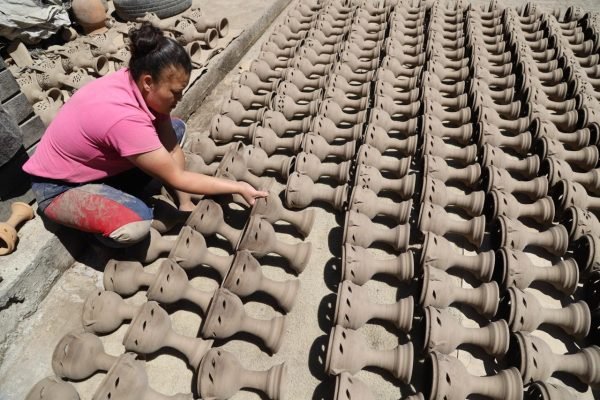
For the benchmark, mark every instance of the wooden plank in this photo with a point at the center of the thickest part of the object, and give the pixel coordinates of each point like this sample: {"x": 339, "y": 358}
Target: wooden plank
{"x": 32, "y": 131}
{"x": 18, "y": 107}
{"x": 8, "y": 85}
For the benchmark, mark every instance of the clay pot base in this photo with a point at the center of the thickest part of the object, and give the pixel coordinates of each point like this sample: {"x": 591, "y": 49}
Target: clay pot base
{"x": 52, "y": 388}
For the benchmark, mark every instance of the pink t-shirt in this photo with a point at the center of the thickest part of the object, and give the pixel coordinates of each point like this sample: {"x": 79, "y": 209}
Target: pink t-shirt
{"x": 104, "y": 122}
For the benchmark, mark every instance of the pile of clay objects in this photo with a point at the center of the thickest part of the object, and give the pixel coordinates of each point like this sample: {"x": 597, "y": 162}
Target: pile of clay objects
{"x": 51, "y": 76}
{"x": 462, "y": 141}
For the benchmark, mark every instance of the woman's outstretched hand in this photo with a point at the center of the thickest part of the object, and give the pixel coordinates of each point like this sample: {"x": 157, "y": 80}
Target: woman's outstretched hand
{"x": 250, "y": 194}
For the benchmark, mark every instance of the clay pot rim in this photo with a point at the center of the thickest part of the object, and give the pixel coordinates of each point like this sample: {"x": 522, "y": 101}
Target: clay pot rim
{"x": 340, "y": 296}
{"x": 427, "y": 334}
{"x": 8, "y": 238}
{"x": 584, "y": 252}
{"x": 334, "y": 332}
{"x": 570, "y": 219}
{"x": 428, "y": 183}
{"x": 144, "y": 309}
{"x": 491, "y": 204}
{"x": 561, "y": 192}
{"x": 501, "y": 263}
{"x": 210, "y": 311}
{"x": 424, "y": 284}
{"x": 158, "y": 277}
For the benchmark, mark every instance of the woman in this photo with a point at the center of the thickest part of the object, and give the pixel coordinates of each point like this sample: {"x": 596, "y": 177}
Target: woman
{"x": 87, "y": 170}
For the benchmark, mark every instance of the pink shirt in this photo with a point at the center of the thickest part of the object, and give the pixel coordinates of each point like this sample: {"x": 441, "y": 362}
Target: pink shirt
{"x": 104, "y": 122}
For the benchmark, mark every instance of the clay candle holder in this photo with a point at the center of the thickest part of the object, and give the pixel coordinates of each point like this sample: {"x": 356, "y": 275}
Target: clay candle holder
{"x": 366, "y": 201}
{"x": 52, "y": 388}
{"x": 301, "y": 191}
{"x": 150, "y": 248}
{"x": 359, "y": 230}
{"x": 502, "y": 203}
{"x": 221, "y": 376}
{"x": 358, "y": 266}
{"x": 526, "y": 167}
{"x": 128, "y": 380}
{"x": 330, "y": 132}
{"x": 348, "y": 387}
{"x": 245, "y": 277}
{"x": 566, "y": 194}
{"x": 125, "y": 277}
{"x": 500, "y": 179}
{"x": 435, "y": 146}
{"x": 234, "y": 166}
{"x": 348, "y": 352}
{"x": 272, "y": 209}
{"x": 310, "y": 165}
{"x": 438, "y": 291}
{"x": 433, "y": 218}
{"x": 207, "y": 218}
{"x": 151, "y": 330}
{"x": 518, "y": 271}
{"x": 438, "y": 252}
{"x": 258, "y": 161}
{"x": 526, "y": 314}
{"x": 20, "y": 213}
{"x": 537, "y": 362}
{"x": 433, "y": 126}
{"x": 353, "y": 309}
{"x": 104, "y": 311}
{"x": 437, "y": 192}
{"x": 437, "y": 168}
{"x": 377, "y": 137}
{"x": 549, "y": 391}
{"x": 267, "y": 140}
{"x": 370, "y": 178}
{"x": 450, "y": 380}
{"x": 585, "y": 158}
{"x": 444, "y": 333}
{"x": 224, "y": 129}
{"x": 206, "y": 148}
{"x": 259, "y": 238}
{"x": 368, "y": 155}
{"x": 317, "y": 145}
{"x": 78, "y": 355}
{"x": 511, "y": 233}
{"x": 580, "y": 222}
{"x": 190, "y": 251}
{"x": 226, "y": 316}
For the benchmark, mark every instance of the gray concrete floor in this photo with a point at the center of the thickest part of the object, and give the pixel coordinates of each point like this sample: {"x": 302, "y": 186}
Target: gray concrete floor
{"x": 308, "y": 323}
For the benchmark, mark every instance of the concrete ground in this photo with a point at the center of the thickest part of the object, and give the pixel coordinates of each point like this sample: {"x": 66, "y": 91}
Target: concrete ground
{"x": 308, "y": 324}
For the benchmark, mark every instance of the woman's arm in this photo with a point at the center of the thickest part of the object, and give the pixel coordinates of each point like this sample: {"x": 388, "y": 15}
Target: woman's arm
{"x": 160, "y": 164}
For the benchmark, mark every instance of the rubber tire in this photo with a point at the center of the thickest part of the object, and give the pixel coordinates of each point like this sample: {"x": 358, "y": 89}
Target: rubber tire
{"x": 129, "y": 10}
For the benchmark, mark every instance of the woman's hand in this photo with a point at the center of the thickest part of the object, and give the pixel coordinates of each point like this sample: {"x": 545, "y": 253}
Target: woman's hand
{"x": 249, "y": 193}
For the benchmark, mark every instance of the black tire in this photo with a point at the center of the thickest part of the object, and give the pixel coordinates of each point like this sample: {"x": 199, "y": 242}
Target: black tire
{"x": 131, "y": 9}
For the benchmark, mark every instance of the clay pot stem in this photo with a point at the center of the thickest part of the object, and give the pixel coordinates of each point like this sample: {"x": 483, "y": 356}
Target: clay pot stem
{"x": 290, "y": 252}
{"x": 193, "y": 348}
{"x": 258, "y": 380}
{"x": 270, "y": 331}
{"x": 104, "y": 361}
{"x": 151, "y": 394}
{"x": 302, "y": 219}
{"x": 20, "y": 212}
{"x": 127, "y": 311}
{"x": 576, "y": 364}
{"x": 219, "y": 263}
{"x": 199, "y": 297}
{"x": 492, "y": 386}
{"x": 279, "y": 290}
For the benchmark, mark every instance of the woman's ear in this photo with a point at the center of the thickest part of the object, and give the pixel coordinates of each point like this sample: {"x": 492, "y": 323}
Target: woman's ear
{"x": 147, "y": 82}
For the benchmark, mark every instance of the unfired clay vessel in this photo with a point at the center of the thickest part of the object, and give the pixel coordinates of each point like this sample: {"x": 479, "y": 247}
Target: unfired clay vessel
{"x": 437, "y": 168}
{"x": 557, "y": 170}
{"x": 366, "y": 201}
{"x": 272, "y": 209}
{"x": 301, "y": 191}
{"x": 207, "y": 218}
{"x": 224, "y": 129}
{"x": 348, "y": 352}
{"x": 206, "y": 148}
{"x": 435, "y": 146}
{"x": 368, "y": 155}
{"x": 500, "y": 179}
{"x": 221, "y": 376}
{"x": 310, "y": 165}
{"x": 150, "y": 248}
{"x": 567, "y": 194}
{"x": 439, "y": 252}
{"x": 258, "y": 161}
{"x": 549, "y": 391}
{"x": 190, "y": 251}
{"x": 226, "y": 316}
{"x": 526, "y": 167}
{"x": 579, "y": 222}
{"x": 317, "y": 145}
{"x": 78, "y": 355}
{"x": 514, "y": 234}
{"x": 499, "y": 203}
{"x": 369, "y": 177}
{"x": 358, "y": 265}
{"x": 433, "y": 218}
{"x": 52, "y": 388}
{"x": 439, "y": 291}
{"x": 20, "y": 213}
{"x": 444, "y": 333}
{"x": 104, "y": 311}
{"x": 526, "y": 314}
{"x": 377, "y": 137}
{"x": 353, "y": 309}
{"x": 359, "y": 230}
{"x": 436, "y": 192}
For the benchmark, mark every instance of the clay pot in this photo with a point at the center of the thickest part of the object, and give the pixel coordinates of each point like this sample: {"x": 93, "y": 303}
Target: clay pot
{"x": 234, "y": 165}
{"x": 281, "y": 126}
{"x": 437, "y": 192}
{"x": 333, "y": 111}
{"x": 245, "y": 277}
{"x": 369, "y": 177}
{"x": 52, "y": 388}
{"x": 73, "y": 58}
{"x": 128, "y": 380}
{"x": 438, "y": 252}
{"x": 358, "y": 266}
{"x": 303, "y": 82}
{"x": 495, "y": 178}
{"x": 524, "y": 313}
{"x": 444, "y": 333}
{"x": 206, "y": 148}
{"x": 309, "y": 165}
{"x": 450, "y": 380}
{"x": 91, "y": 15}
{"x": 348, "y": 352}
{"x": 207, "y": 218}
{"x": 387, "y": 89}
{"x": 438, "y": 291}
{"x": 456, "y": 118}
{"x": 544, "y": 129}
{"x": 223, "y": 129}
{"x": 289, "y": 89}
{"x": 368, "y": 155}
{"x": 377, "y": 137}
{"x": 549, "y": 391}
{"x": 253, "y": 81}
{"x": 186, "y": 32}
{"x": 537, "y": 362}
{"x": 526, "y": 167}
{"x": 290, "y": 109}
{"x": 317, "y": 145}
{"x": 502, "y": 203}
{"x": 585, "y": 158}
{"x": 451, "y": 90}
{"x": 104, "y": 311}
{"x": 366, "y": 201}
{"x": 517, "y": 270}
{"x": 204, "y": 23}
{"x": 151, "y": 247}
{"x": 359, "y": 230}
{"x": 348, "y": 103}
{"x": 301, "y": 191}
{"x": 580, "y": 222}
{"x": 151, "y": 330}
{"x": 398, "y": 128}
{"x": 78, "y": 355}
{"x": 195, "y": 163}
{"x": 437, "y": 168}
{"x": 353, "y": 309}
{"x": 490, "y": 134}
{"x": 432, "y": 215}
{"x": 348, "y": 387}
{"x": 226, "y": 316}
{"x": 567, "y": 193}
{"x": 327, "y": 129}
{"x": 512, "y": 233}
{"x": 259, "y": 238}
{"x": 357, "y": 89}
{"x": 248, "y": 99}
{"x": 435, "y": 146}
{"x": 238, "y": 114}
{"x": 20, "y": 213}
{"x": 221, "y": 376}
{"x": 190, "y": 251}
{"x": 433, "y": 126}
{"x": 510, "y": 110}
{"x": 398, "y": 110}
{"x": 557, "y": 170}
{"x": 271, "y": 209}
{"x": 268, "y": 141}
{"x": 586, "y": 251}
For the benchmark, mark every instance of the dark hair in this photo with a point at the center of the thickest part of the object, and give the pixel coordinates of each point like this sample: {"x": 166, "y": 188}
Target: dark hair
{"x": 152, "y": 52}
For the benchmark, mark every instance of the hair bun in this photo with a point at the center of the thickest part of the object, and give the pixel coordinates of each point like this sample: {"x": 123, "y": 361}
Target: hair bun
{"x": 145, "y": 40}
